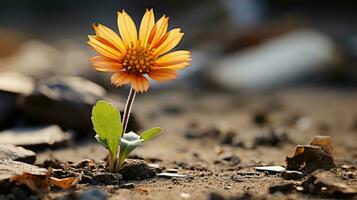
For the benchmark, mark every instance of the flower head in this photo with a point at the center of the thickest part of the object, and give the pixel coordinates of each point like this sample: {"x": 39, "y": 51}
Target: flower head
{"x": 131, "y": 57}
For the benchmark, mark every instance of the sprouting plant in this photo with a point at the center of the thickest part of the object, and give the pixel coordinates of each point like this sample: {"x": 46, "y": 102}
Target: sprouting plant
{"x": 131, "y": 57}
{"x": 108, "y": 126}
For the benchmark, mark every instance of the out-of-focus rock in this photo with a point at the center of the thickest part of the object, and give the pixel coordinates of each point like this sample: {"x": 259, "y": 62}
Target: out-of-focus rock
{"x": 279, "y": 61}
{"x": 12, "y": 85}
{"x": 38, "y": 59}
{"x": 11, "y": 152}
{"x": 222, "y": 134}
{"x": 10, "y": 41}
{"x": 36, "y": 137}
{"x": 66, "y": 101}
{"x": 9, "y": 168}
{"x": 274, "y": 137}
{"x": 327, "y": 184}
{"x": 309, "y": 158}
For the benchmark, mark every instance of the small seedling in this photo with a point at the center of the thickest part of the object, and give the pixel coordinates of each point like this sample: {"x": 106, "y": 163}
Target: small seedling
{"x": 107, "y": 124}
{"x": 132, "y": 57}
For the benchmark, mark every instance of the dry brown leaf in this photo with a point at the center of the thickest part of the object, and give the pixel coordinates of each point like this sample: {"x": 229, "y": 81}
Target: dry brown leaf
{"x": 36, "y": 183}
{"x": 64, "y": 183}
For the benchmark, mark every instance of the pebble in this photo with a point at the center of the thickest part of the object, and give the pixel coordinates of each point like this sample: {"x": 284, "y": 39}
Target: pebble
{"x": 227, "y": 187}
{"x": 39, "y": 137}
{"x": 185, "y": 195}
{"x": 171, "y": 175}
{"x": 128, "y": 185}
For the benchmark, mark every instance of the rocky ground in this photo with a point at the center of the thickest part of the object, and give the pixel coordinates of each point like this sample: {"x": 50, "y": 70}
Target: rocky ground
{"x": 210, "y": 148}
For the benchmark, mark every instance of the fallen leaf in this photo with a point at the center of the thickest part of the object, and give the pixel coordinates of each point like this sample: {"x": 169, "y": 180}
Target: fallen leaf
{"x": 64, "y": 183}
{"x": 36, "y": 183}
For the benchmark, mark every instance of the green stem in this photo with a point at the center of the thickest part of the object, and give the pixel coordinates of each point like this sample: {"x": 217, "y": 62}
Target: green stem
{"x": 112, "y": 160}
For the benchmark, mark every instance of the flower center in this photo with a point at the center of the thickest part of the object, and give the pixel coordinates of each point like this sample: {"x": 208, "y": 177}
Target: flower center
{"x": 138, "y": 59}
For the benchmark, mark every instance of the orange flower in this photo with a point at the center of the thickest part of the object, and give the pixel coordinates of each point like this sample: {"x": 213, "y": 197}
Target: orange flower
{"x": 132, "y": 56}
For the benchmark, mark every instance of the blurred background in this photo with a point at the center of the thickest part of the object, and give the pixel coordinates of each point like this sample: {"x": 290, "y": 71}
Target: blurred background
{"x": 239, "y": 47}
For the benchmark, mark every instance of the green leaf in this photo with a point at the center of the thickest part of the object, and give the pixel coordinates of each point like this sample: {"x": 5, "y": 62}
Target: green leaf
{"x": 102, "y": 142}
{"x": 107, "y": 124}
{"x": 128, "y": 143}
{"x": 147, "y": 135}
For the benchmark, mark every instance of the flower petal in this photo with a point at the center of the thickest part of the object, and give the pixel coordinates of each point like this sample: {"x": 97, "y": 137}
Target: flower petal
{"x": 174, "y": 58}
{"x": 173, "y": 67}
{"x": 173, "y": 38}
{"x": 127, "y": 28}
{"x": 147, "y": 23}
{"x": 162, "y": 74}
{"x": 104, "y": 64}
{"x": 120, "y": 78}
{"x": 102, "y": 47}
{"x": 159, "y": 30}
{"x": 144, "y": 83}
{"x": 109, "y": 35}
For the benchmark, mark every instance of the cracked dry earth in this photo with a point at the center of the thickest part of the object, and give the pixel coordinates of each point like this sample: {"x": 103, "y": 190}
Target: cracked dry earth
{"x": 228, "y": 169}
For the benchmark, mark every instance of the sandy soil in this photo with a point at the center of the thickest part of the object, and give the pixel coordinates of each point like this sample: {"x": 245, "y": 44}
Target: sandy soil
{"x": 319, "y": 112}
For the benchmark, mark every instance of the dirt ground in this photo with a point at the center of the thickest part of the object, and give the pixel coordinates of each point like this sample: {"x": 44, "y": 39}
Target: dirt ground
{"x": 303, "y": 113}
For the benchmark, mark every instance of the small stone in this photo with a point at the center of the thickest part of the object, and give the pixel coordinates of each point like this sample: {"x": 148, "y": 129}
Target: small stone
{"x": 228, "y": 158}
{"x": 227, "y": 187}
{"x": 11, "y": 152}
{"x": 284, "y": 188}
{"x": 238, "y": 178}
{"x": 292, "y": 175}
{"x": 128, "y": 186}
{"x": 271, "y": 169}
{"x": 35, "y": 137}
{"x": 299, "y": 188}
{"x": 84, "y": 163}
{"x": 171, "y": 175}
{"x": 185, "y": 195}
{"x": 137, "y": 169}
{"x": 172, "y": 170}
{"x": 107, "y": 178}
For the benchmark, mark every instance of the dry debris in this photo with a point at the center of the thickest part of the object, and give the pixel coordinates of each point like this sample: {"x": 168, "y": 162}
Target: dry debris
{"x": 317, "y": 155}
{"x": 328, "y": 184}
